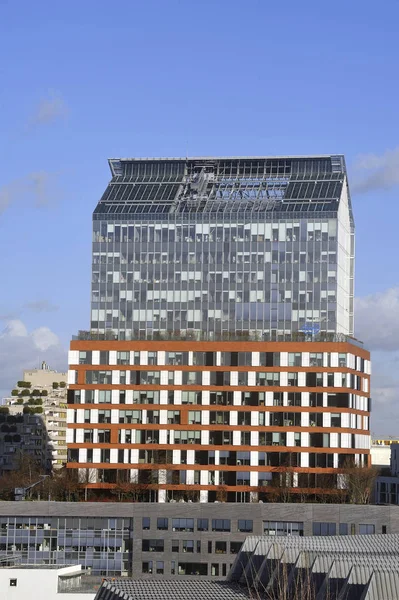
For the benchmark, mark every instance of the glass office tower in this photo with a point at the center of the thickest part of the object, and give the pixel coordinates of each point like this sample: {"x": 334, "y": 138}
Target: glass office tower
{"x": 218, "y": 247}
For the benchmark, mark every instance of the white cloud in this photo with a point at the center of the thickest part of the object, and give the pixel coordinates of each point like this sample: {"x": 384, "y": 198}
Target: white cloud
{"x": 377, "y": 320}
{"x": 49, "y": 110}
{"x": 376, "y": 171}
{"x": 38, "y": 188}
{"x": 22, "y": 349}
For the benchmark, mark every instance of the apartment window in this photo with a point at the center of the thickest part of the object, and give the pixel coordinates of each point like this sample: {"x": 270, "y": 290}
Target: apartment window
{"x": 99, "y": 377}
{"x": 335, "y": 420}
{"x": 316, "y": 359}
{"x": 177, "y": 358}
{"x": 122, "y": 358}
{"x": 294, "y": 359}
{"x": 173, "y": 567}
{"x": 160, "y": 567}
{"x": 235, "y": 547}
{"x": 342, "y": 359}
{"x": 220, "y": 524}
{"x": 175, "y": 545}
{"x": 104, "y": 397}
{"x": 324, "y": 528}
{"x": 220, "y": 547}
{"x": 152, "y": 358}
{"x": 215, "y": 569}
{"x": 13, "y": 582}
{"x": 152, "y": 545}
{"x": 269, "y": 359}
{"x": 366, "y": 529}
{"x": 136, "y": 358}
{"x": 162, "y": 523}
{"x": 147, "y": 566}
{"x": 190, "y": 397}
{"x": 202, "y": 524}
{"x": 183, "y": 524}
{"x": 283, "y": 528}
{"x": 343, "y": 529}
{"x": 146, "y": 523}
{"x": 104, "y": 416}
{"x": 245, "y": 525}
{"x": 293, "y": 379}
{"x": 384, "y": 529}
{"x": 104, "y": 357}
{"x": 188, "y": 546}
{"x": 194, "y": 417}
{"x": 85, "y": 358}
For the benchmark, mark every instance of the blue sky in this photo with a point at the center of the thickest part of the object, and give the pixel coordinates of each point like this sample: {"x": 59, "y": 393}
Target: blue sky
{"x": 84, "y": 81}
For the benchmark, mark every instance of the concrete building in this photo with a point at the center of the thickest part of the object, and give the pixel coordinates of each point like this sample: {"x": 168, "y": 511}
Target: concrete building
{"x": 172, "y": 540}
{"x": 48, "y": 401}
{"x": 222, "y": 291}
{"x": 387, "y": 485}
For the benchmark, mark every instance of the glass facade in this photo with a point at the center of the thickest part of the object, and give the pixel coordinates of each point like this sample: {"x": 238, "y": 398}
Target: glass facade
{"x": 221, "y": 247}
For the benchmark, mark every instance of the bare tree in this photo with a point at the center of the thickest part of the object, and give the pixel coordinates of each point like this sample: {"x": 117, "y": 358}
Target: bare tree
{"x": 358, "y": 482}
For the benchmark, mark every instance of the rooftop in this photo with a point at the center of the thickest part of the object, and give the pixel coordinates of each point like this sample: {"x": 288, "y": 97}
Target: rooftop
{"x": 161, "y": 187}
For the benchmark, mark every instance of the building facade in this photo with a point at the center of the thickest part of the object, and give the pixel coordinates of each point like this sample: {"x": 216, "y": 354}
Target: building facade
{"x": 180, "y": 417}
{"x": 22, "y": 435}
{"x": 213, "y": 247}
{"x": 46, "y": 396}
{"x": 222, "y": 291}
{"x": 170, "y": 540}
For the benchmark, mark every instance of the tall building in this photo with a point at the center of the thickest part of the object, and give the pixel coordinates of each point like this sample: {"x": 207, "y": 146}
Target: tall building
{"x": 218, "y": 246}
{"x": 222, "y": 293}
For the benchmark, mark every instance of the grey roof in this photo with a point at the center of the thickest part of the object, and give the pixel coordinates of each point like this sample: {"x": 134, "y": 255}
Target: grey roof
{"x": 161, "y": 188}
{"x": 161, "y": 589}
{"x": 352, "y": 567}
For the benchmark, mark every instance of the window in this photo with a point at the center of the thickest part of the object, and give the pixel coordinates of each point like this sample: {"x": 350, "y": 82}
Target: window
{"x": 294, "y": 359}
{"x": 194, "y": 417}
{"x": 147, "y": 567}
{"x": 220, "y": 547}
{"x": 85, "y": 358}
{"x": 316, "y": 359}
{"x": 13, "y": 583}
{"x": 162, "y": 524}
{"x": 245, "y": 525}
{"x": 215, "y": 569}
{"x": 152, "y": 545}
{"x": 100, "y": 377}
{"x": 366, "y": 529}
{"x": 384, "y": 529}
{"x": 188, "y": 546}
{"x": 183, "y": 524}
{"x": 122, "y": 358}
{"x": 220, "y": 524}
{"x": 283, "y": 528}
{"x": 175, "y": 545}
{"x": 202, "y": 524}
{"x": 160, "y": 567}
{"x": 324, "y": 528}
{"x": 146, "y": 522}
{"x": 343, "y": 529}
{"x": 104, "y": 397}
{"x": 235, "y": 547}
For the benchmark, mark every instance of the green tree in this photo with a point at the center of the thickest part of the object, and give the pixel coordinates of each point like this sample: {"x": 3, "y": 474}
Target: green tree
{"x": 24, "y": 393}
{"x": 4, "y": 410}
{"x": 55, "y": 385}
{"x": 35, "y": 392}
{"x": 62, "y": 384}
{"x": 44, "y": 393}
{"x": 14, "y": 393}
{"x": 24, "y": 384}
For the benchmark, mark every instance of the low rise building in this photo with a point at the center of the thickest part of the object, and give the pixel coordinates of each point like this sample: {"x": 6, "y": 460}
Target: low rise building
{"x": 18, "y": 582}
{"x": 172, "y": 540}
